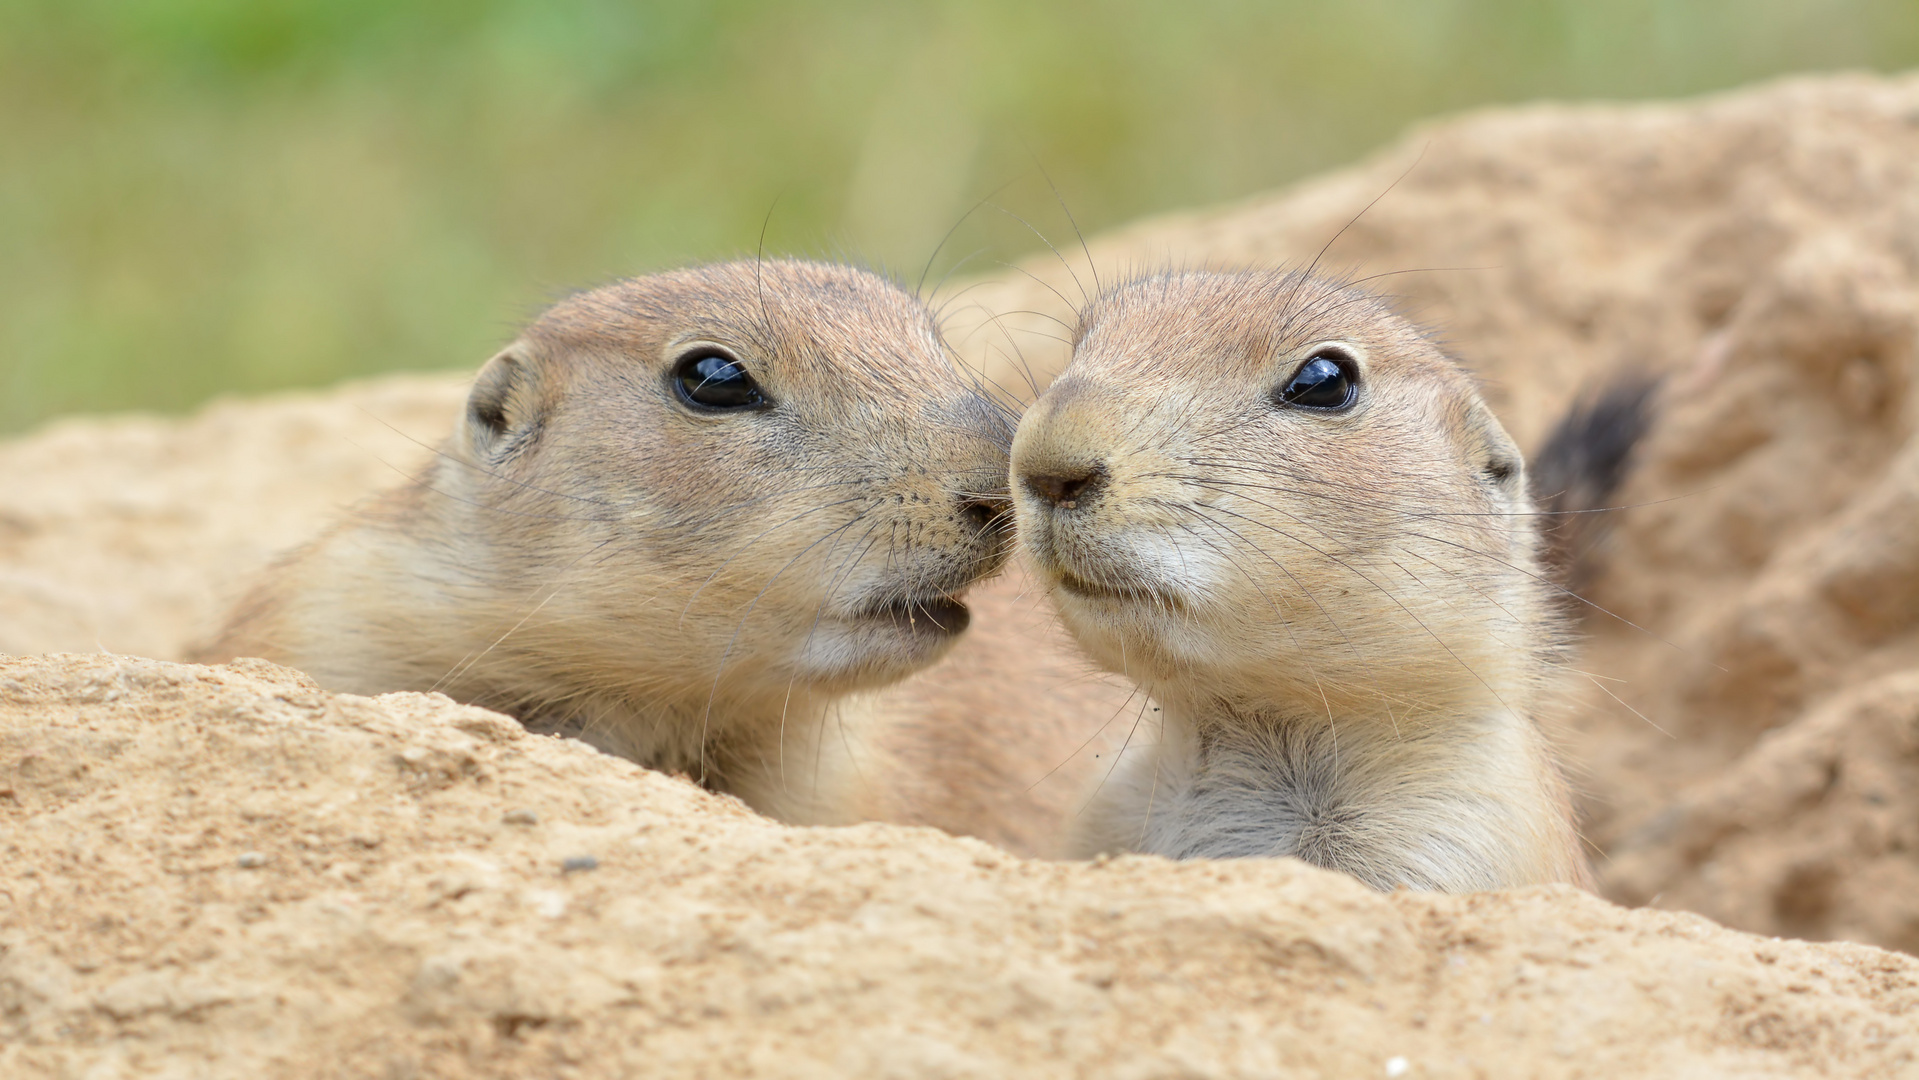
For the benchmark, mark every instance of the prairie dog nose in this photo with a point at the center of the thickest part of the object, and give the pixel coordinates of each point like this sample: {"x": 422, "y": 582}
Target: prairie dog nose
{"x": 1066, "y": 486}
{"x": 987, "y": 513}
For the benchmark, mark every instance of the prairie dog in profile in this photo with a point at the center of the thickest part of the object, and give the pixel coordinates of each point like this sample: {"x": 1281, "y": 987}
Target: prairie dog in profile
{"x": 1292, "y": 520}
{"x": 682, "y": 518}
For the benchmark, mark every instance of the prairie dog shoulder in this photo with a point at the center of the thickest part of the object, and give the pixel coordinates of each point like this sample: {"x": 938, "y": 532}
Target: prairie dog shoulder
{"x": 682, "y": 517}
{"x": 1293, "y": 521}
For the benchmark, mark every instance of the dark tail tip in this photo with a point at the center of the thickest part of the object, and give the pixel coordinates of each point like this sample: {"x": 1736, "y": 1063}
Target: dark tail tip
{"x": 1582, "y": 465}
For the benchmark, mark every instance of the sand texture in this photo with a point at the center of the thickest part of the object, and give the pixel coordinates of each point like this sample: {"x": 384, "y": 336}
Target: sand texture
{"x": 224, "y": 871}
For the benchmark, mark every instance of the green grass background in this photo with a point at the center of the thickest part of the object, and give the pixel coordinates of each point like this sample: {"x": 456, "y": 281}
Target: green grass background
{"x": 207, "y": 195}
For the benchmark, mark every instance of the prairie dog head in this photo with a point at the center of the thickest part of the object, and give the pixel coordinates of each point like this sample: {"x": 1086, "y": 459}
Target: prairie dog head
{"x": 1270, "y": 487}
{"x": 729, "y": 481}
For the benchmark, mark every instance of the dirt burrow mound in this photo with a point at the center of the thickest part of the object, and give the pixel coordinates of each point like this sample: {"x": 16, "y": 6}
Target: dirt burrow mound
{"x": 226, "y": 871}
{"x": 133, "y": 534}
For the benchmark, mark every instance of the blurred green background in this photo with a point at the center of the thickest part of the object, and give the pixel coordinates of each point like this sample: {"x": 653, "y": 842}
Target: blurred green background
{"x": 209, "y": 195}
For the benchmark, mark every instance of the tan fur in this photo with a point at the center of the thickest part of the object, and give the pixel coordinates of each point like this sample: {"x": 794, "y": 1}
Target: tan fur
{"x": 699, "y": 592}
{"x": 1001, "y": 739}
{"x": 1339, "y": 612}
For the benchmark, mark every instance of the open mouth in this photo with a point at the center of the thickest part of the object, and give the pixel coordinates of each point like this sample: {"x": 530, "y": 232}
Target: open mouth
{"x": 940, "y": 616}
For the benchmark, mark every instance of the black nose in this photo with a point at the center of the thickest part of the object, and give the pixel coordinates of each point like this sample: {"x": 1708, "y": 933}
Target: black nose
{"x": 1068, "y": 486}
{"x": 987, "y": 513}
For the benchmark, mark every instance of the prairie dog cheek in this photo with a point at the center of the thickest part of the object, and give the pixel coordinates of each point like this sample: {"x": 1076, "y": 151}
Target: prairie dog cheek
{"x": 1193, "y": 568}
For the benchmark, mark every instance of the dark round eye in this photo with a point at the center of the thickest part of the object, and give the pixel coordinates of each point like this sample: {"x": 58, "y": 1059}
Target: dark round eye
{"x": 1323, "y": 382}
{"x": 711, "y": 379}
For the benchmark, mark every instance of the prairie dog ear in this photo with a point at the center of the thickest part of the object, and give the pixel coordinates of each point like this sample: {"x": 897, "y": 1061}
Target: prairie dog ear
{"x": 504, "y": 411}
{"x": 1499, "y": 464}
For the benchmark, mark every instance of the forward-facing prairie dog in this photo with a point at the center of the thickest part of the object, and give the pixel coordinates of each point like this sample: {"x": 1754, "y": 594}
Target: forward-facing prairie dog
{"x": 1292, "y": 520}
{"x": 682, "y": 517}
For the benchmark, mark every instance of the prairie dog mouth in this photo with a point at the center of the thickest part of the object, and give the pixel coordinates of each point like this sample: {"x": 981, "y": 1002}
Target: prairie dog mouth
{"x": 934, "y": 616}
{"x": 1136, "y": 594}
{"x": 1079, "y": 586}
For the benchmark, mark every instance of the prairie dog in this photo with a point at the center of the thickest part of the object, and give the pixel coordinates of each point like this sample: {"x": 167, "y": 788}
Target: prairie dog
{"x": 1293, "y": 522}
{"x": 683, "y": 517}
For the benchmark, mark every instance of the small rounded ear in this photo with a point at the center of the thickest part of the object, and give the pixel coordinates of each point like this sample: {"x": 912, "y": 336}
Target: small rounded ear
{"x": 1503, "y": 468}
{"x": 1500, "y": 464}
{"x": 503, "y": 411}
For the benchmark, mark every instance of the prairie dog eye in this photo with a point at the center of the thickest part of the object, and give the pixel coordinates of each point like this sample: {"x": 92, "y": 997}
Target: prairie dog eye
{"x": 1327, "y": 381}
{"x": 709, "y": 378}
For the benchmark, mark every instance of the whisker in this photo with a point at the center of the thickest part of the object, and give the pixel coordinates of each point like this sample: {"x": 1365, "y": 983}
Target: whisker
{"x": 706, "y": 714}
{"x": 488, "y": 473}
{"x": 1387, "y": 593}
{"x": 748, "y": 546}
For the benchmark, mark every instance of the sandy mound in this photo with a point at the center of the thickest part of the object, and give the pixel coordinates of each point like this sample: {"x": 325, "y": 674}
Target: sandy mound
{"x": 226, "y": 871}
{"x": 1748, "y": 750}
{"x": 133, "y": 535}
